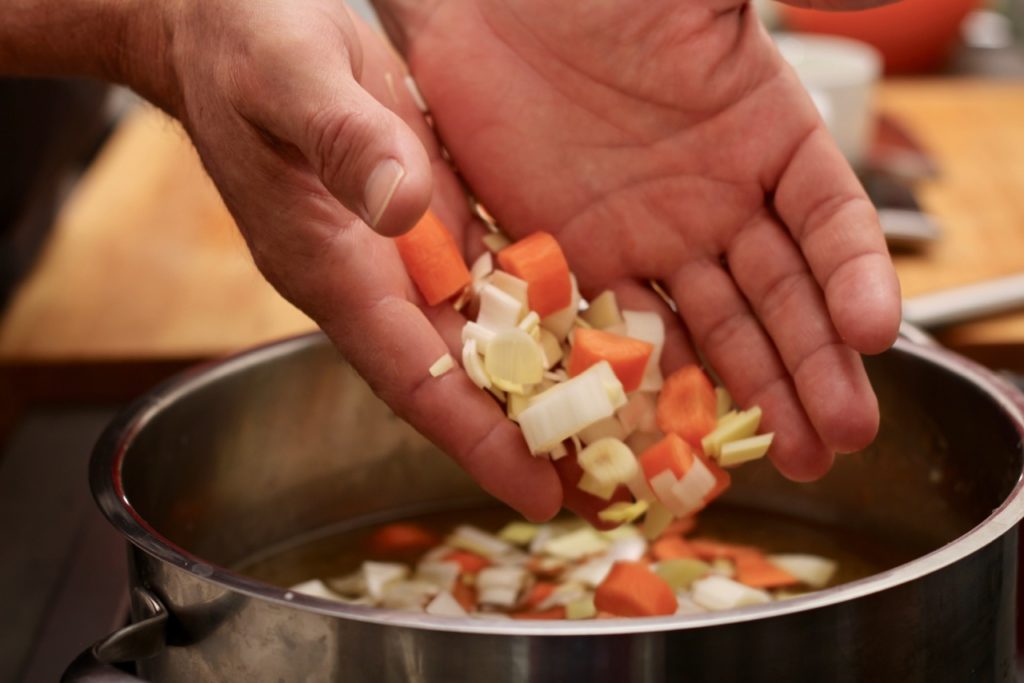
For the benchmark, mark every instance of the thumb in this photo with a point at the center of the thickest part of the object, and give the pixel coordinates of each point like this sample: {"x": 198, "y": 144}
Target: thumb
{"x": 364, "y": 154}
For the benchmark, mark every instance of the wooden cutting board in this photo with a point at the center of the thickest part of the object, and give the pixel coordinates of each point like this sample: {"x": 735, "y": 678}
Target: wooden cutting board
{"x": 145, "y": 263}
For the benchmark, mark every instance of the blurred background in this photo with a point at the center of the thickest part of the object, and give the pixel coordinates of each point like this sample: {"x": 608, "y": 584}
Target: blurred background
{"x": 119, "y": 266}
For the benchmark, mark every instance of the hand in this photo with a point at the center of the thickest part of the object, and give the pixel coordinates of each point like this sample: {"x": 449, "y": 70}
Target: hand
{"x": 668, "y": 141}
{"x": 284, "y": 102}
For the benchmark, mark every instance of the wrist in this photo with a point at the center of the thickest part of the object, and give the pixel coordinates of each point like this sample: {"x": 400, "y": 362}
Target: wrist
{"x": 122, "y": 41}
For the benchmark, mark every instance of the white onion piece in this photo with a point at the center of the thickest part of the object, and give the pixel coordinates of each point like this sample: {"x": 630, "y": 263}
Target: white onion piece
{"x": 648, "y": 327}
{"x": 441, "y": 574}
{"x": 408, "y": 595}
{"x": 482, "y": 267}
{"x": 609, "y": 461}
{"x": 474, "y": 365}
{"x": 513, "y": 358}
{"x": 592, "y": 572}
{"x": 316, "y": 588}
{"x": 576, "y": 544}
{"x": 812, "y": 570}
{"x": 478, "y": 333}
{"x": 694, "y": 487}
{"x": 560, "y": 322}
{"x": 498, "y": 311}
{"x": 510, "y": 284}
{"x": 627, "y": 549}
{"x": 686, "y": 606}
{"x": 663, "y": 485}
{"x": 719, "y": 593}
{"x": 566, "y": 408}
{"x": 379, "y": 574}
{"x": 478, "y": 541}
{"x": 445, "y": 605}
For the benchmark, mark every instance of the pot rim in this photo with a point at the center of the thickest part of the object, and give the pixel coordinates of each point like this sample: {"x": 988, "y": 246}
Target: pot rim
{"x": 113, "y": 445}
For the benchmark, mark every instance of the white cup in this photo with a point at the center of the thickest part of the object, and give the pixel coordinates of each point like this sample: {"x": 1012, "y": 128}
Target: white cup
{"x": 840, "y": 75}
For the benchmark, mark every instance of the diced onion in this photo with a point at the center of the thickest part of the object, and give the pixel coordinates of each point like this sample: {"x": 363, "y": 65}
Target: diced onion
{"x": 719, "y": 593}
{"x": 603, "y": 311}
{"x": 445, "y": 605}
{"x": 609, "y": 461}
{"x": 514, "y": 359}
{"x": 812, "y": 570}
{"x": 442, "y": 365}
{"x": 474, "y": 365}
{"x": 498, "y": 311}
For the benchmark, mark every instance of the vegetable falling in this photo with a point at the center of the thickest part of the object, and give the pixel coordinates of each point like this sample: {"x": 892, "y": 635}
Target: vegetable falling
{"x": 585, "y": 378}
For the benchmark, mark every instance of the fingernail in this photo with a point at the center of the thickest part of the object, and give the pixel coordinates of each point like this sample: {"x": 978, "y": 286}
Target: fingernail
{"x": 380, "y": 188}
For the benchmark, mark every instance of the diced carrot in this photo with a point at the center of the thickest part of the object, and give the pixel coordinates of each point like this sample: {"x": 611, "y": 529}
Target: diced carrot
{"x": 465, "y": 595}
{"x": 401, "y": 539}
{"x": 722, "y": 478}
{"x": 671, "y": 453}
{"x": 708, "y": 549}
{"x": 433, "y": 260}
{"x": 556, "y": 612}
{"x": 627, "y": 356}
{"x": 671, "y": 548}
{"x": 631, "y": 589}
{"x": 539, "y": 261}
{"x": 757, "y": 571}
{"x": 687, "y": 405}
{"x": 471, "y": 563}
{"x": 539, "y": 593}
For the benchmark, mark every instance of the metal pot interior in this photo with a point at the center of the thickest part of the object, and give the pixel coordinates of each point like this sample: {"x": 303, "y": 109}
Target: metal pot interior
{"x": 287, "y": 440}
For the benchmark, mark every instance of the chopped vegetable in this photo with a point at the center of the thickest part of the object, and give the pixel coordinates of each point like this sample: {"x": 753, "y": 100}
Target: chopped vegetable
{"x": 498, "y": 311}
{"x": 627, "y": 357}
{"x": 723, "y": 401}
{"x": 680, "y": 573}
{"x": 519, "y": 533}
{"x": 433, "y": 260}
{"x": 720, "y": 593}
{"x": 623, "y": 512}
{"x": 445, "y": 605}
{"x": 639, "y": 413}
{"x": 581, "y": 609}
{"x": 500, "y": 586}
{"x": 731, "y": 427}
{"x": 631, "y": 589}
{"x": 608, "y": 428}
{"x": 576, "y": 544}
{"x": 609, "y": 461}
{"x": 671, "y": 454}
{"x": 757, "y": 571}
{"x": 442, "y": 365}
{"x": 495, "y": 241}
{"x": 477, "y": 541}
{"x": 514, "y": 360}
{"x": 557, "y": 612}
{"x": 672, "y": 548}
{"x": 648, "y": 327}
{"x": 469, "y": 562}
{"x": 687, "y": 405}
{"x": 656, "y": 520}
{"x": 744, "y": 450}
{"x": 566, "y": 408}
{"x": 560, "y": 322}
{"x": 708, "y": 549}
{"x": 595, "y": 487}
{"x": 539, "y": 593}
{"x": 603, "y": 312}
{"x": 400, "y": 539}
{"x": 474, "y": 365}
{"x": 379, "y": 574}
{"x": 539, "y": 260}
{"x": 812, "y": 570}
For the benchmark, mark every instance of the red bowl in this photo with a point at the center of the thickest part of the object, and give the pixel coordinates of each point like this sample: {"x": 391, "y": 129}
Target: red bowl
{"x": 913, "y": 35}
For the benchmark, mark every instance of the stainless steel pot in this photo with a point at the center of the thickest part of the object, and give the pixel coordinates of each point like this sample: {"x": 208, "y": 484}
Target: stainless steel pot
{"x": 244, "y": 455}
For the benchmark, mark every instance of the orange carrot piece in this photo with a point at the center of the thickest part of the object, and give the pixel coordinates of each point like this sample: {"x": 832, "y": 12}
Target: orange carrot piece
{"x": 465, "y": 595}
{"x": 627, "y": 356}
{"x": 471, "y": 563}
{"x": 757, "y": 571}
{"x": 687, "y": 405}
{"x": 539, "y": 593}
{"x": 401, "y": 539}
{"x": 433, "y": 260}
{"x": 671, "y": 548}
{"x": 538, "y": 259}
{"x": 631, "y": 589}
{"x": 556, "y": 612}
{"x": 671, "y": 453}
{"x": 722, "y": 478}
{"x": 708, "y": 549}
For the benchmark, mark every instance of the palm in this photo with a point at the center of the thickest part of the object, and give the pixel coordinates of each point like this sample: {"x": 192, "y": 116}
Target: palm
{"x": 652, "y": 140}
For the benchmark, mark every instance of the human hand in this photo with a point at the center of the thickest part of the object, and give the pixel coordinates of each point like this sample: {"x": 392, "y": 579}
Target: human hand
{"x": 283, "y": 101}
{"x": 668, "y": 141}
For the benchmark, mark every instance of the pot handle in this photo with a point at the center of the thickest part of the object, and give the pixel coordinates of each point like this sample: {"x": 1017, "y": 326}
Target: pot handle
{"x": 140, "y": 640}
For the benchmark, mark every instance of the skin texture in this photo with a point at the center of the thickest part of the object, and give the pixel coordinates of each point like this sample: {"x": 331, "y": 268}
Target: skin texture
{"x": 658, "y": 141}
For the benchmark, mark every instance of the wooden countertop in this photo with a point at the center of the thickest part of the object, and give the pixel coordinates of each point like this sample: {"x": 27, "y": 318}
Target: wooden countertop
{"x": 145, "y": 264}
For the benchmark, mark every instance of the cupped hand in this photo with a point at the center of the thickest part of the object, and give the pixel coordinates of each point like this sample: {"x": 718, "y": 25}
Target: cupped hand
{"x": 668, "y": 141}
{"x": 293, "y": 107}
